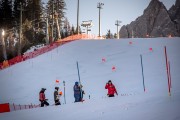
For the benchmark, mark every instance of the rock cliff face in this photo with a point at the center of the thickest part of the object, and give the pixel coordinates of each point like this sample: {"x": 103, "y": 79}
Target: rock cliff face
{"x": 174, "y": 13}
{"x": 156, "y": 21}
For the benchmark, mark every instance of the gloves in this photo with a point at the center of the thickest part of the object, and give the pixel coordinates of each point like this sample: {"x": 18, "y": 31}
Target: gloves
{"x": 116, "y": 93}
{"x": 80, "y": 86}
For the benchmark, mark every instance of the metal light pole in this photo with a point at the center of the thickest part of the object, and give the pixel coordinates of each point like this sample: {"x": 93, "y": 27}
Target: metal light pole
{"x": 4, "y": 47}
{"x": 78, "y": 17}
{"x": 117, "y": 23}
{"x": 99, "y": 5}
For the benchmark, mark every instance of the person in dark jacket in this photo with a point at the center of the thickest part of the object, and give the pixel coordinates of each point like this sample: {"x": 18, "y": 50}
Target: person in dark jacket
{"x": 77, "y": 92}
{"x": 42, "y": 98}
{"x": 56, "y": 96}
{"x": 111, "y": 89}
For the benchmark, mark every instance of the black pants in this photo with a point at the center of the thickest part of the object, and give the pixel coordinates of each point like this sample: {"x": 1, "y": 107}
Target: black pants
{"x": 77, "y": 97}
{"x": 44, "y": 103}
{"x": 57, "y": 102}
{"x": 110, "y": 95}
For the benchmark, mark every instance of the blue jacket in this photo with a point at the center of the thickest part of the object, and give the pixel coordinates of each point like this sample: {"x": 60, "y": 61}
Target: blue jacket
{"x": 77, "y": 89}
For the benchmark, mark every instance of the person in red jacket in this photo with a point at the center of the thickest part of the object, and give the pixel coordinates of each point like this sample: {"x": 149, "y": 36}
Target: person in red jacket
{"x": 111, "y": 89}
{"x": 42, "y": 98}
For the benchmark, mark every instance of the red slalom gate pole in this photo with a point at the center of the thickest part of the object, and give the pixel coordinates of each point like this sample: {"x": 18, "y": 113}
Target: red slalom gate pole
{"x": 169, "y": 87}
{"x": 169, "y": 74}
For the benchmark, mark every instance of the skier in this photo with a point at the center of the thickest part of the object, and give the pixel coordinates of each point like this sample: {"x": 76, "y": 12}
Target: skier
{"x": 42, "y": 98}
{"x": 111, "y": 89}
{"x": 77, "y": 92}
{"x": 56, "y": 96}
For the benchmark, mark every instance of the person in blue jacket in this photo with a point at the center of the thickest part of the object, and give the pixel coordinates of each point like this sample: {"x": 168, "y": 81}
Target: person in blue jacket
{"x": 77, "y": 92}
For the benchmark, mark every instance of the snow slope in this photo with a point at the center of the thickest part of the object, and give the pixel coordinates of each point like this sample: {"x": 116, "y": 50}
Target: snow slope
{"x": 21, "y": 83}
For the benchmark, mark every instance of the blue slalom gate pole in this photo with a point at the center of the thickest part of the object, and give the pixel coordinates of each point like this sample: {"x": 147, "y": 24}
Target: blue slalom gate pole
{"x": 167, "y": 70}
{"x": 79, "y": 78}
{"x": 78, "y": 73}
{"x": 142, "y": 73}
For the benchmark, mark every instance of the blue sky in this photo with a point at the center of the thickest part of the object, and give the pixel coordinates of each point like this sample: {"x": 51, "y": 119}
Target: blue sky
{"x": 123, "y": 10}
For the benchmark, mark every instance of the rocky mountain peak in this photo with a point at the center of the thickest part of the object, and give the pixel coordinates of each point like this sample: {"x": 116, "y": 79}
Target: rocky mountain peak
{"x": 154, "y": 6}
{"x": 155, "y": 22}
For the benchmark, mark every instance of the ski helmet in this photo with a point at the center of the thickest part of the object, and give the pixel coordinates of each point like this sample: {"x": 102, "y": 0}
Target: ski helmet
{"x": 56, "y": 88}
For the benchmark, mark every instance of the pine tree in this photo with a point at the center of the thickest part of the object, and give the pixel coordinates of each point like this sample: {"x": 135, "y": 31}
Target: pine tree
{"x": 67, "y": 27}
{"x": 16, "y": 11}
{"x": 6, "y": 13}
{"x": 33, "y": 11}
{"x": 72, "y": 30}
{"x": 56, "y": 8}
{"x": 115, "y": 35}
{"x": 1, "y": 14}
{"x": 109, "y": 35}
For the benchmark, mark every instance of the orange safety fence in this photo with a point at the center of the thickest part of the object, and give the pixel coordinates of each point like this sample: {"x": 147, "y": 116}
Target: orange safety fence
{"x": 5, "y": 64}
{"x": 45, "y": 49}
{"x": 78, "y": 37}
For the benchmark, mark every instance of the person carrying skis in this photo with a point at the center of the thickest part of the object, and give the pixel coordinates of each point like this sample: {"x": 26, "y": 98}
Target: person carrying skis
{"x": 111, "y": 89}
{"x": 42, "y": 98}
{"x": 77, "y": 92}
{"x": 56, "y": 96}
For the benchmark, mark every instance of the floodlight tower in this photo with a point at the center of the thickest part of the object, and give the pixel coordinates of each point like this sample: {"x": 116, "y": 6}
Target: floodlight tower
{"x": 117, "y": 23}
{"x": 78, "y": 17}
{"x": 99, "y": 6}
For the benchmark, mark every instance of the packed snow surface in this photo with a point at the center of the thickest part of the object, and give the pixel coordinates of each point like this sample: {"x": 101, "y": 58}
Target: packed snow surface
{"x": 21, "y": 83}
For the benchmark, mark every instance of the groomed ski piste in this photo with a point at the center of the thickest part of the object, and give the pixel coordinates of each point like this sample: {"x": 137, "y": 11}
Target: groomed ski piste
{"x": 21, "y": 83}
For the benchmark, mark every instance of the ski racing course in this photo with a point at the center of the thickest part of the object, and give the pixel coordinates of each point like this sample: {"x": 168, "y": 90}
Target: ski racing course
{"x": 147, "y": 83}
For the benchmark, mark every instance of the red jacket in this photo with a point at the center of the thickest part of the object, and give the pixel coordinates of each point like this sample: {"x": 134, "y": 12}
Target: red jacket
{"x": 42, "y": 96}
{"x": 111, "y": 89}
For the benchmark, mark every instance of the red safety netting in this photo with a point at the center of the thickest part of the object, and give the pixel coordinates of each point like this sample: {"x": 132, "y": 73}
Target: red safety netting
{"x": 14, "y": 107}
{"x": 4, "y": 107}
{"x": 45, "y": 49}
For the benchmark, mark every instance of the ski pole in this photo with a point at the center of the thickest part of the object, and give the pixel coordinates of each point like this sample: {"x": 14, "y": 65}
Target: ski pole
{"x": 64, "y": 92}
